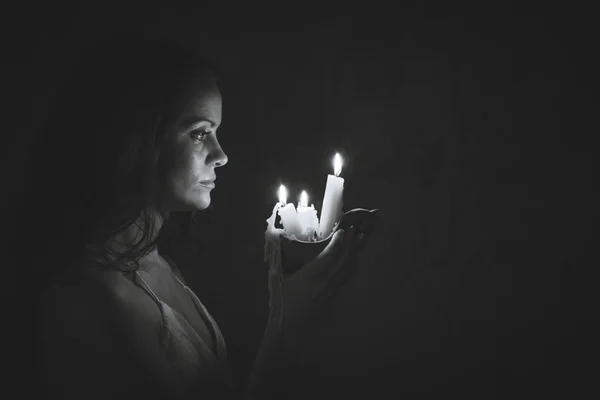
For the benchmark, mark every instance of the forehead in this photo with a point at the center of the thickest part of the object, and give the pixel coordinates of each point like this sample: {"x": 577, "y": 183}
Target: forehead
{"x": 203, "y": 100}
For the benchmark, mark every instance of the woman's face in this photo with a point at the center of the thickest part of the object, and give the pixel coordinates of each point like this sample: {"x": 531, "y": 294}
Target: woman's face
{"x": 192, "y": 152}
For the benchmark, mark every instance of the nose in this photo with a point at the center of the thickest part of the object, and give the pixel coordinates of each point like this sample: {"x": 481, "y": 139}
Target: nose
{"x": 217, "y": 157}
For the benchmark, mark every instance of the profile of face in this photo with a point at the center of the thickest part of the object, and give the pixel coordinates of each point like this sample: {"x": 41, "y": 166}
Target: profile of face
{"x": 192, "y": 152}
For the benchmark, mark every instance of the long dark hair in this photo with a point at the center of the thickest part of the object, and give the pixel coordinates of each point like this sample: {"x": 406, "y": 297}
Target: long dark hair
{"x": 96, "y": 168}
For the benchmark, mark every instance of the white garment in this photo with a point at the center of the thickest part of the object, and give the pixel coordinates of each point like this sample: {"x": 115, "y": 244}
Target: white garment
{"x": 197, "y": 367}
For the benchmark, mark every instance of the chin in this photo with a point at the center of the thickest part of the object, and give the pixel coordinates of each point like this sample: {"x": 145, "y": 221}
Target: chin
{"x": 195, "y": 206}
{"x": 191, "y": 201}
{"x": 201, "y": 202}
{"x": 202, "y": 206}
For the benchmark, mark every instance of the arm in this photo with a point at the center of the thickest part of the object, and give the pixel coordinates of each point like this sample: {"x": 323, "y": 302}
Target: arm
{"x": 302, "y": 296}
{"x": 277, "y": 353}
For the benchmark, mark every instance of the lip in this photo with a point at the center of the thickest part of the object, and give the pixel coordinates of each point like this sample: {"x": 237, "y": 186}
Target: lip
{"x": 208, "y": 184}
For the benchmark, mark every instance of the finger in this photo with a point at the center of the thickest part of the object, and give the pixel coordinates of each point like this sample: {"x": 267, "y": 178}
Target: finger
{"x": 348, "y": 249}
{"x": 327, "y": 255}
{"x": 338, "y": 260}
{"x": 368, "y": 226}
{"x": 331, "y": 287}
{"x": 334, "y": 246}
{"x": 362, "y": 239}
{"x": 347, "y": 265}
{"x": 340, "y": 273}
{"x": 346, "y": 272}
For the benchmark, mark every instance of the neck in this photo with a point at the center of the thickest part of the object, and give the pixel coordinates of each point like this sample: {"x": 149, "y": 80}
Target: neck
{"x": 125, "y": 240}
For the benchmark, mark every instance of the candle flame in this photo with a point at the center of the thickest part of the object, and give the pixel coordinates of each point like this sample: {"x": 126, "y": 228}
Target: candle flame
{"x": 337, "y": 164}
{"x": 282, "y": 194}
{"x": 303, "y": 199}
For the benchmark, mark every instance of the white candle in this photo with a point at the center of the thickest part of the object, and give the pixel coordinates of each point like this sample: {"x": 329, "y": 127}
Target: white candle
{"x": 331, "y": 210}
{"x": 307, "y": 216}
{"x": 288, "y": 214}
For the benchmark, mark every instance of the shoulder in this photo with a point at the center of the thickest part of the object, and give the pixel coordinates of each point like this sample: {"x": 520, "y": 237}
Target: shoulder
{"x": 78, "y": 329}
{"x": 90, "y": 302}
{"x": 84, "y": 288}
{"x": 95, "y": 326}
{"x": 78, "y": 293}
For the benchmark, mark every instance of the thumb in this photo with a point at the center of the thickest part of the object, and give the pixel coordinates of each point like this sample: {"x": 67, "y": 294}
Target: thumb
{"x": 328, "y": 254}
{"x": 334, "y": 246}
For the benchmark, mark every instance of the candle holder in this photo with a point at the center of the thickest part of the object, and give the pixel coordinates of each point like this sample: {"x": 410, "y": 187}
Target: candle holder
{"x": 295, "y": 253}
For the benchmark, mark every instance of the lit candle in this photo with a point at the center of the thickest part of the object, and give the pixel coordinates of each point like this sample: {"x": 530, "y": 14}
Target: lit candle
{"x": 307, "y": 216}
{"x": 331, "y": 210}
{"x": 288, "y": 214}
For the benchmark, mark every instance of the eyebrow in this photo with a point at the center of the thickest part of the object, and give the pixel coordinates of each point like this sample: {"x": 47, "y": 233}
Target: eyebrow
{"x": 194, "y": 120}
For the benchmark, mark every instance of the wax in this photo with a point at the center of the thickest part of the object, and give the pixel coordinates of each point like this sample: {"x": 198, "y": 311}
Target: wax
{"x": 272, "y": 234}
{"x": 272, "y": 254}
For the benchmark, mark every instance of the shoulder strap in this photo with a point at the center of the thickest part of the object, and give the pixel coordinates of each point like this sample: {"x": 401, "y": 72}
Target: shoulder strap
{"x": 145, "y": 286}
{"x": 174, "y": 267}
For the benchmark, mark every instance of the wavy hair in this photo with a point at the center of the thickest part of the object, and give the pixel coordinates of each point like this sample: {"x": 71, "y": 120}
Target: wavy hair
{"x": 96, "y": 169}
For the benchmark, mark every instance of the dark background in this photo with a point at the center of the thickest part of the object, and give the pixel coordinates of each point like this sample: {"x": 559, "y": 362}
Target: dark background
{"x": 466, "y": 128}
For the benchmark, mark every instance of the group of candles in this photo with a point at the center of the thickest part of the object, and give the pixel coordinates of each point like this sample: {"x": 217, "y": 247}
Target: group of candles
{"x": 302, "y": 222}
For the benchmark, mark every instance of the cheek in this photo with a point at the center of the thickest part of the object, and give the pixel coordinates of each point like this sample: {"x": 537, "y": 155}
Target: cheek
{"x": 195, "y": 167}
{"x": 187, "y": 168}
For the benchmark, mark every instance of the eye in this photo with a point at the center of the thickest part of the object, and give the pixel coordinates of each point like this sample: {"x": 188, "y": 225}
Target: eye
{"x": 199, "y": 134}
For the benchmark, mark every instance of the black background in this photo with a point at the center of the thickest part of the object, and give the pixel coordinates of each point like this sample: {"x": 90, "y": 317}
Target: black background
{"x": 466, "y": 128}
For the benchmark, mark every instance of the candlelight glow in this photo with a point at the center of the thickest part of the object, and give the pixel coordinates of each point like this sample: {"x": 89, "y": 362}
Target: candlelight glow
{"x": 282, "y": 194}
{"x": 303, "y": 199}
{"x": 337, "y": 164}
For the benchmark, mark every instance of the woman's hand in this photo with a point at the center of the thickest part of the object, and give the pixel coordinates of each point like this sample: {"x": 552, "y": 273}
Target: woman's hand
{"x": 308, "y": 289}
{"x": 298, "y": 298}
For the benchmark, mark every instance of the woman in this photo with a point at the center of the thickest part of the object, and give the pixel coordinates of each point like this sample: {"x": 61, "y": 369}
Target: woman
{"x": 133, "y": 137}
